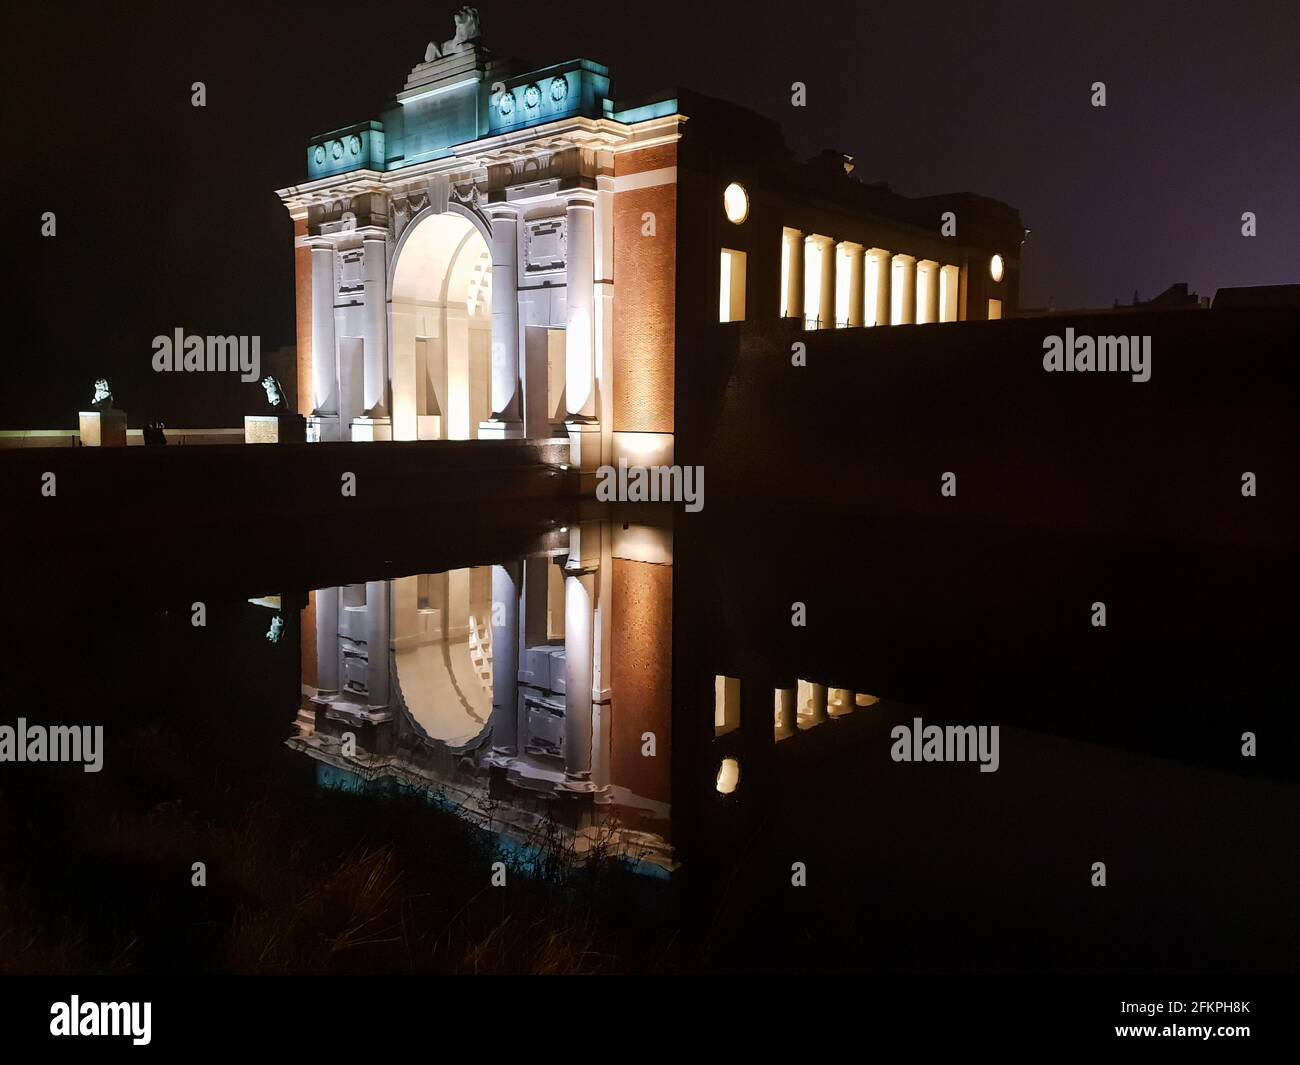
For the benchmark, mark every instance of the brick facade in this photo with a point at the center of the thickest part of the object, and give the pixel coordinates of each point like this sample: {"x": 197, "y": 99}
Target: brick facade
{"x": 645, "y": 276}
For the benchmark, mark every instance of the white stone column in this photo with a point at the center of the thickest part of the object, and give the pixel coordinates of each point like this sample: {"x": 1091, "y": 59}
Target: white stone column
{"x": 602, "y": 666}
{"x": 324, "y": 349}
{"x": 826, "y": 309}
{"x": 580, "y": 322}
{"x": 507, "y": 409}
{"x": 927, "y": 291}
{"x": 327, "y": 640}
{"x": 377, "y": 643}
{"x": 506, "y": 582}
{"x": 792, "y": 267}
{"x": 375, "y": 326}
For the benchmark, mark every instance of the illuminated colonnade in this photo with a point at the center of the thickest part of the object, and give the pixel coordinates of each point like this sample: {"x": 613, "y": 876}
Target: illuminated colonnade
{"x": 838, "y": 284}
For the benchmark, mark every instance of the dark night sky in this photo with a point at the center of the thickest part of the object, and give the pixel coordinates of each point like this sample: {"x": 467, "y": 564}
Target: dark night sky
{"x": 167, "y": 217}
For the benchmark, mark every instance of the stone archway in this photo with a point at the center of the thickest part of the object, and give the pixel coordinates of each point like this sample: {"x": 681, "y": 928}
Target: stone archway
{"x": 441, "y": 329}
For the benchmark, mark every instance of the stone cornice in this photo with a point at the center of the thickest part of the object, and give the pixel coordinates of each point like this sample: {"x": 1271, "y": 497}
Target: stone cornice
{"x": 598, "y": 134}
{"x": 328, "y": 189}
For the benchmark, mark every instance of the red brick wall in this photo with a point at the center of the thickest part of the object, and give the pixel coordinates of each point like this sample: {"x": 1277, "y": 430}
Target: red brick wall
{"x": 642, "y": 634}
{"x": 644, "y": 287}
{"x": 302, "y": 312}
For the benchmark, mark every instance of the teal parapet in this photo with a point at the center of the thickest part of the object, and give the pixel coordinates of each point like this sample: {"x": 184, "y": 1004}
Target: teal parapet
{"x": 356, "y": 147}
{"x": 578, "y": 87}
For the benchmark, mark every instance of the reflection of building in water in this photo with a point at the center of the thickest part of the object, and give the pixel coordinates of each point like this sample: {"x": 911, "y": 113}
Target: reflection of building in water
{"x": 519, "y": 692}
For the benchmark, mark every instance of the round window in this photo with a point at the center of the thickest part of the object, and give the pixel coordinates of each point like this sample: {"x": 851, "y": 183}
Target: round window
{"x": 735, "y": 201}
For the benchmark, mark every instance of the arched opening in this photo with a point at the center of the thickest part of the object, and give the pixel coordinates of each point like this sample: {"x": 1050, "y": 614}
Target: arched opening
{"x": 441, "y": 331}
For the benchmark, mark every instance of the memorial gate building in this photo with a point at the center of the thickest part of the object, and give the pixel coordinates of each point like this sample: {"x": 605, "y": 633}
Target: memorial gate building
{"x": 508, "y": 251}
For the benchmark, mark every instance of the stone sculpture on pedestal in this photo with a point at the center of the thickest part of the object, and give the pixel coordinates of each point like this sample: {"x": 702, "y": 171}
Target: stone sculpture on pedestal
{"x": 102, "y": 426}
{"x": 281, "y": 426}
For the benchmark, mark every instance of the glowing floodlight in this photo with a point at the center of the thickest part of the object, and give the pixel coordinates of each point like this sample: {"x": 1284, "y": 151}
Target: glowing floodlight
{"x": 728, "y": 776}
{"x": 995, "y": 268}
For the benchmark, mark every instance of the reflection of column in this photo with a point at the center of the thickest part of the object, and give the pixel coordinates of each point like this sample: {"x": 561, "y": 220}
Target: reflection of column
{"x": 324, "y": 354}
{"x": 602, "y": 672}
{"x": 505, "y": 654}
{"x": 506, "y": 420}
{"x": 786, "y": 719}
{"x": 375, "y": 326}
{"x": 579, "y": 603}
{"x": 327, "y": 639}
{"x": 377, "y": 643}
{"x": 580, "y": 325}
{"x": 532, "y": 633}
{"x": 818, "y": 703}
{"x": 840, "y": 702}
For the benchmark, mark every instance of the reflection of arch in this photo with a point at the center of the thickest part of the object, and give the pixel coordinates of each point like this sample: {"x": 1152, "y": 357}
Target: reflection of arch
{"x": 443, "y": 670}
{"x": 441, "y": 326}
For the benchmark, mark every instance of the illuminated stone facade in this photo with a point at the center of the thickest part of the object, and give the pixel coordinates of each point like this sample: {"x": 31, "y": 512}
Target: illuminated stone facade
{"x": 507, "y": 252}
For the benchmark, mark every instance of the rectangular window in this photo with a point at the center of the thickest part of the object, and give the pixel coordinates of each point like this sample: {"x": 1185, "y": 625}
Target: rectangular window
{"x": 731, "y": 286}
{"x": 995, "y": 310}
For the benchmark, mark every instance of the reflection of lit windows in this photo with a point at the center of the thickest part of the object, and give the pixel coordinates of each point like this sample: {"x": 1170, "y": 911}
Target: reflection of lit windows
{"x": 782, "y": 715}
{"x": 731, "y": 286}
{"x": 726, "y": 705}
{"x": 995, "y": 310}
{"x": 735, "y": 201}
{"x": 995, "y": 268}
{"x": 728, "y": 776}
{"x": 810, "y": 704}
